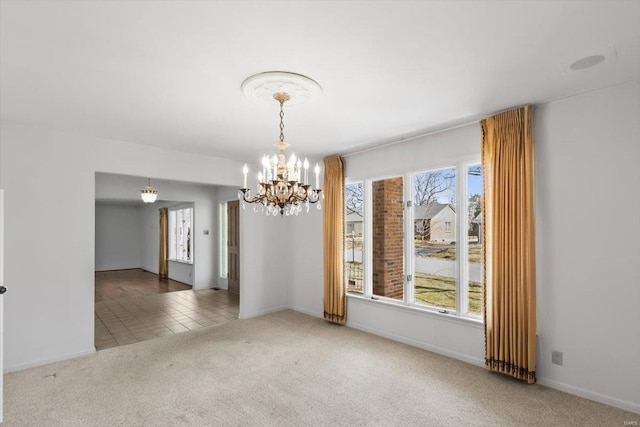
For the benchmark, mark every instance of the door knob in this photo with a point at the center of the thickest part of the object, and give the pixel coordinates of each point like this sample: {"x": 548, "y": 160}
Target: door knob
{"x": 2, "y": 290}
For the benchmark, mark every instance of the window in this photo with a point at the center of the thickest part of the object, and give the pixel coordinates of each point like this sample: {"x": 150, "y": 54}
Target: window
{"x": 354, "y": 232}
{"x": 222, "y": 232}
{"x": 417, "y": 244}
{"x": 180, "y": 235}
{"x": 434, "y": 248}
{"x": 474, "y": 227}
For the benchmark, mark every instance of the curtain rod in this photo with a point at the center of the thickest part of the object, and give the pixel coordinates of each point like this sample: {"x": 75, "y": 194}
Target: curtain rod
{"x": 411, "y": 138}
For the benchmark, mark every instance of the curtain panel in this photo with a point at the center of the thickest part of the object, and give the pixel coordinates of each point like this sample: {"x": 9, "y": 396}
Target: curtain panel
{"x": 509, "y": 294}
{"x": 333, "y": 239}
{"x": 163, "y": 256}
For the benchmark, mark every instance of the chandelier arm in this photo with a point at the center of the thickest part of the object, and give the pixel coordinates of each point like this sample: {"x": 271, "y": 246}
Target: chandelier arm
{"x": 247, "y": 197}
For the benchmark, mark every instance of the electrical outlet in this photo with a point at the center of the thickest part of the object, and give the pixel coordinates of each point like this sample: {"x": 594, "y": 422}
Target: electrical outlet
{"x": 556, "y": 357}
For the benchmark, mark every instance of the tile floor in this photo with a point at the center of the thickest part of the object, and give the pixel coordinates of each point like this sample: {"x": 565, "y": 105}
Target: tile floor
{"x": 132, "y": 283}
{"x": 125, "y": 321}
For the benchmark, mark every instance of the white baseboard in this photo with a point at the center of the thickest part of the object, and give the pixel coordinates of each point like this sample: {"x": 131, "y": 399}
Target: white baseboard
{"x": 400, "y": 338}
{"x": 48, "y": 361}
{"x": 200, "y": 288}
{"x": 262, "y": 312}
{"x": 591, "y": 395}
{"x": 419, "y": 344}
{"x": 306, "y": 311}
{"x": 577, "y": 391}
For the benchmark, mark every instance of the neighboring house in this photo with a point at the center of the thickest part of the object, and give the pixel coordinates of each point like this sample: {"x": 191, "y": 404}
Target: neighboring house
{"x": 354, "y": 223}
{"x": 436, "y": 222}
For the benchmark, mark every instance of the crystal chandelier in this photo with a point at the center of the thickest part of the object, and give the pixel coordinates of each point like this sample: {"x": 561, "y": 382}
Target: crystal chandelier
{"x": 148, "y": 193}
{"x": 283, "y": 185}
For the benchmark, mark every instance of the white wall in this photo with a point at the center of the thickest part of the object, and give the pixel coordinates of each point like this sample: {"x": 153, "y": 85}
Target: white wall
{"x": 265, "y": 276}
{"x": 588, "y": 284}
{"x": 588, "y": 243}
{"x": 117, "y": 237}
{"x": 49, "y": 311}
{"x": 307, "y": 277}
{"x": 181, "y": 272}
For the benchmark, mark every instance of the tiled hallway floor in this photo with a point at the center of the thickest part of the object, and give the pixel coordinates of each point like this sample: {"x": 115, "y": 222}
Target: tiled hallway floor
{"x": 128, "y": 320}
{"x": 116, "y": 284}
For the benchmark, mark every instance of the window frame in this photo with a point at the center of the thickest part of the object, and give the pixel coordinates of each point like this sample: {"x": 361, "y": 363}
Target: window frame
{"x": 173, "y": 249}
{"x": 346, "y": 216}
{"x": 461, "y": 311}
{"x": 223, "y": 260}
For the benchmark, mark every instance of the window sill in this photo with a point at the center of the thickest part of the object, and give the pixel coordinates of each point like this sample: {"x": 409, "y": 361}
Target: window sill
{"x": 181, "y": 262}
{"x": 419, "y": 310}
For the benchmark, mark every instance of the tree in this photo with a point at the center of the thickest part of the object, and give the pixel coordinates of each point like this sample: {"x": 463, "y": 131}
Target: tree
{"x": 475, "y": 207}
{"x": 475, "y": 200}
{"x": 354, "y": 199}
{"x": 428, "y": 187}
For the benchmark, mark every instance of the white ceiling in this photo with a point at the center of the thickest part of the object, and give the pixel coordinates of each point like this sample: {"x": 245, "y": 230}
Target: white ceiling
{"x": 168, "y": 73}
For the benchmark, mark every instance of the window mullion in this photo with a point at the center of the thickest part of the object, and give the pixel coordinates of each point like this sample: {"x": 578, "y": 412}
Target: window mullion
{"x": 409, "y": 269}
{"x": 367, "y": 242}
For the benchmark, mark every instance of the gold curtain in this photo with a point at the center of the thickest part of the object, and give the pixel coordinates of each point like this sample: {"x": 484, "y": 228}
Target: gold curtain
{"x": 335, "y": 300}
{"x": 509, "y": 295}
{"x": 163, "y": 270}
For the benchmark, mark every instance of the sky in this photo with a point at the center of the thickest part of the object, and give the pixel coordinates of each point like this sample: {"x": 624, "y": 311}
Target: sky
{"x": 474, "y": 186}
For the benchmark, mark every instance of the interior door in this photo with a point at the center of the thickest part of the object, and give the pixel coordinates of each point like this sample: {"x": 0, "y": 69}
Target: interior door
{"x": 2, "y": 291}
{"x": 233, "y": 246}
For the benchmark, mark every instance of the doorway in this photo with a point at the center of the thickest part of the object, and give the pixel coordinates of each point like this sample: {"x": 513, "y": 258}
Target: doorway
{"x": 131, "y": 303}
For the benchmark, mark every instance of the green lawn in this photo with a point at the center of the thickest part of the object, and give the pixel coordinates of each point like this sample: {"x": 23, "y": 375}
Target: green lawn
{"x": 431, "y": 289}
{"x": 440, "y": 291}
{"x": 475, "y": 252}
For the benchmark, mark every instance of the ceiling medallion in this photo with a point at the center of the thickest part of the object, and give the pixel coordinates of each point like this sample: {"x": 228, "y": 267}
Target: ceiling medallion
{"x": 261, "y": 87}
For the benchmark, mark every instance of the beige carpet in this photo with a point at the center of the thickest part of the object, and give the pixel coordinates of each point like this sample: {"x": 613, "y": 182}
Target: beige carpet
{"x": 283, "y": 369}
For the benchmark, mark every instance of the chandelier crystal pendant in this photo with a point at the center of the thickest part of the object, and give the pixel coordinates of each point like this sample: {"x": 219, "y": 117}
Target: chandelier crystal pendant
{"x": 283, "y": 184}
{"x": 148, "y": 193}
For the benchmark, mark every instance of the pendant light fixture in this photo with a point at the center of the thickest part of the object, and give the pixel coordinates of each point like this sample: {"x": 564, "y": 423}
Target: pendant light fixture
{"x": 148, "y": 193}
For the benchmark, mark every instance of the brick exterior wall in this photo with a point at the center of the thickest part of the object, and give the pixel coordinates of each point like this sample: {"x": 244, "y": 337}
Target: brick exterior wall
{"x": 388, "y": 238}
